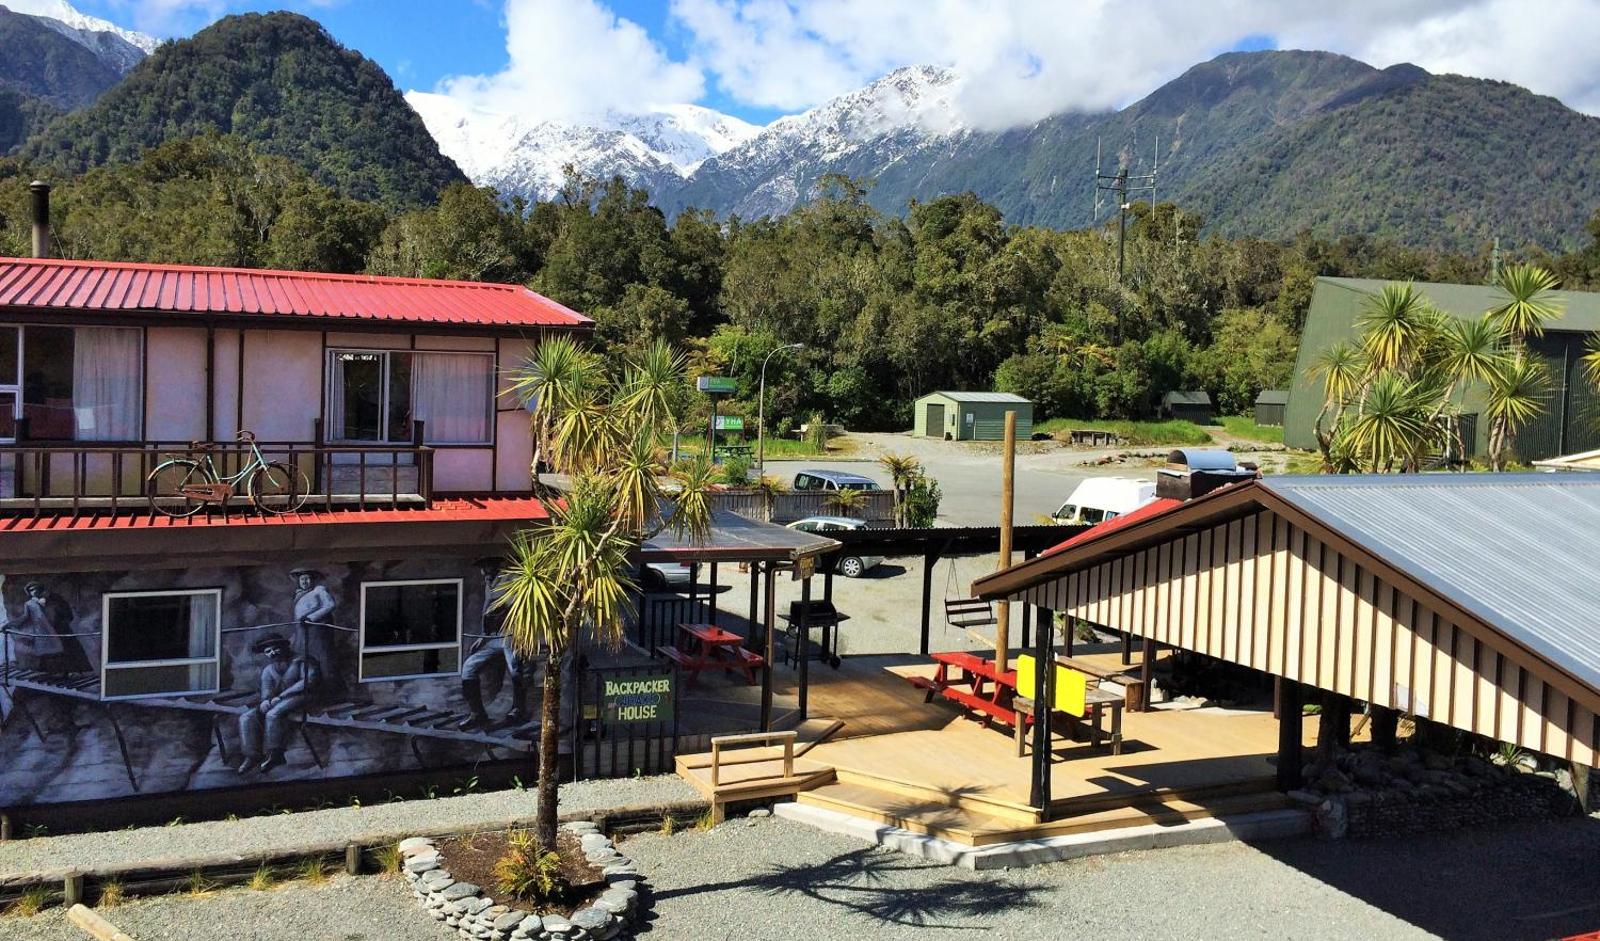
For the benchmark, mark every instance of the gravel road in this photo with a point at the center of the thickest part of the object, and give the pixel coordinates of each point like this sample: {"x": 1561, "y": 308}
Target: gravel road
{"x": 772, "y": 879}
{"x": 261, "y": 834}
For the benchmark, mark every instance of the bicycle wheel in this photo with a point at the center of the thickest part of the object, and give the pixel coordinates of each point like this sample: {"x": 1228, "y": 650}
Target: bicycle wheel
{"x": 165, "y": 486}
{"x": 279, "y": 488}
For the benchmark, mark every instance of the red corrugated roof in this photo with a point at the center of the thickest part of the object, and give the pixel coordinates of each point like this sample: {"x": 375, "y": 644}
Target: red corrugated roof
{"x": 446, "y": 510}
{"x": 1151, "y": 509}
{"x": 114, "y": 286}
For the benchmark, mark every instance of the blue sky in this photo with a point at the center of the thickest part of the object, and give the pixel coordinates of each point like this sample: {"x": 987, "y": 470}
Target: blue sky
{"x": 1021, "y": 60}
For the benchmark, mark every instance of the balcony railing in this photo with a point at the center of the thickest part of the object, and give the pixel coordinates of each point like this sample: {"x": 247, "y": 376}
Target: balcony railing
{"x": 105, "y": 478}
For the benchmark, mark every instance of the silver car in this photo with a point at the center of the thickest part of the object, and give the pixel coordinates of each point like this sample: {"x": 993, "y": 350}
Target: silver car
{"x": 850, "y": 566}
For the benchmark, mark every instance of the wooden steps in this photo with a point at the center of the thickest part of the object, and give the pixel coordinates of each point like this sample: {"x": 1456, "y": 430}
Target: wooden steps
{"x": 963, "y": 825}
{"x": 974, "y": 800}
{"x": 757, "y": 773}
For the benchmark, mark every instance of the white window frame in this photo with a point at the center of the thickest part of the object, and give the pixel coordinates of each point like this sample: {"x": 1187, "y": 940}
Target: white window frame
{"x": 14, "y": 388}
{"x": 361, "y": 660}
{"x": 106, "y": 626}
{"x": 330, "y": 422}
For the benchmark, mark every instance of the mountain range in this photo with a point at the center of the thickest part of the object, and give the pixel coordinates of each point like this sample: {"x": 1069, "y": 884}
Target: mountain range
{"x": 1268, "y": 143}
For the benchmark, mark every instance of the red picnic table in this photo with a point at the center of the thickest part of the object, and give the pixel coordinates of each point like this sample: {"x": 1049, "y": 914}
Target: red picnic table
{"x": 707, "y": 647}
{"x": 978, "y": 685}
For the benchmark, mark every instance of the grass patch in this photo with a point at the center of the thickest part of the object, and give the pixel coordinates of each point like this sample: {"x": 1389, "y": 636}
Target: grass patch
{"x": 111, "y": 894}
{"x": 389, "y": 859}
{"x": 30, "y": 903}
{"x": 778, "y": 448}
{"x": 1243, "y": 426}
{"x": 314, "y": 871}
{"x": 1133, "y": 433}
{"x": 706, "y": 822}
{"x": 262, "y": 879}
{"x": 198, "y": 886}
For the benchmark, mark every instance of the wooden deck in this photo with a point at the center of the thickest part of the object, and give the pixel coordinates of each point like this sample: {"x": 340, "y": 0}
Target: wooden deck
{"x": 929, "y": 768}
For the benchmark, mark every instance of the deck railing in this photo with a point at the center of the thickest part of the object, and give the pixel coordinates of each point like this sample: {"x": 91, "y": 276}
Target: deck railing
{"x": 73, "y": 479}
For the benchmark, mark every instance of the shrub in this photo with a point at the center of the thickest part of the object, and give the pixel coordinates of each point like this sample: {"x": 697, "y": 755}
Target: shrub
{"x": 735, "y": 469}
{"x": 922, "y": 503}
{"x": 527, "y": 873}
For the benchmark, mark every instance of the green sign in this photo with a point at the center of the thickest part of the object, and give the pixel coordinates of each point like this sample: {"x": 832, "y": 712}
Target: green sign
{"x": 730, "y": 423}
{"x": 717, "y": 385}
{"x": 639, "y": 698}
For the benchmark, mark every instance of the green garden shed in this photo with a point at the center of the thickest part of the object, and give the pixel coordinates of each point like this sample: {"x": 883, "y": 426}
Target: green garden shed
{"x": 1192, "y": 405}
{"x": 1270, "y": 405}
{"x": 970, "y": 416}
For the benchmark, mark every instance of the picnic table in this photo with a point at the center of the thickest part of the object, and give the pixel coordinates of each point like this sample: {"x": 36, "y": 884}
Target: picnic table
{"x": 1096, "y": 702}
{"x": 1092, "y": 436}
{"x": 707, "y": 647}
{"x": 978, "y": 685}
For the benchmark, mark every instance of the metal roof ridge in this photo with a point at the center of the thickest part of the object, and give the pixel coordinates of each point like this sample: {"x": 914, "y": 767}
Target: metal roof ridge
{"x": 164, "y": 267}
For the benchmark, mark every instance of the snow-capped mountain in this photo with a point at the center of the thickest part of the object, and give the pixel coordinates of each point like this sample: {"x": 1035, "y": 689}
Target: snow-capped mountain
{"x": 910, "y": 112}
{"x": 120, "y": 48}
{"x": 526, "y": 157}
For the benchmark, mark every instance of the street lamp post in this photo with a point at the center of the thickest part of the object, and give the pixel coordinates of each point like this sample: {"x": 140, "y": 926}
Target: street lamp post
{"x": 761, "y": 410}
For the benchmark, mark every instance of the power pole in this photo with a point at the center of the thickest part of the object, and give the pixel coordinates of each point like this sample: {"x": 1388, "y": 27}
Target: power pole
{"x": 1123, "y": 185}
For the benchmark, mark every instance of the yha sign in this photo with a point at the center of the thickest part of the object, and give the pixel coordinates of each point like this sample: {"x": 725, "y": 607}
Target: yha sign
{"x": 637, "y": 698}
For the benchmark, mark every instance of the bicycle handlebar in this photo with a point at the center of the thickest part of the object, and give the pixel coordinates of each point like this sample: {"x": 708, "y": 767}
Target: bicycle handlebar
{"x": 246, "y": 436}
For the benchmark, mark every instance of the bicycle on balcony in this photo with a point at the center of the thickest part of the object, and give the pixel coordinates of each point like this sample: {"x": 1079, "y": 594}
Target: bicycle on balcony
{"x": 183, "y": 486}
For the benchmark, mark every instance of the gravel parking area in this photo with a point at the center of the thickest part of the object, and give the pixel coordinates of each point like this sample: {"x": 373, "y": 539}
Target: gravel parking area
{"x": 773, "y": 879}
{"x": 262, "y": 834}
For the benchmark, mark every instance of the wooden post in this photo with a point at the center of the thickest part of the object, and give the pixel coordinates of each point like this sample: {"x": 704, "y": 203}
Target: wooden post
{"x": 1147, "y": 667}
{"x": 771, "y": 615}
{"x": 1008, "y": 486}
{"x": 352, "y": 859}
{"x": 97, "y": 927}
{"x": 72, "y": 890}
{"x": 5, "y": 827}
{"x": 755, "y": 601}
{"x": 1289, "y": 709}
{"x": 1385, "y": 728}
{"x": 804, "y": 643}
{"x": 1582, "y": 786}
{"x": 711, "y": 596}
{"x": 1044, "y": 670}
{"x": 929, "y": 560}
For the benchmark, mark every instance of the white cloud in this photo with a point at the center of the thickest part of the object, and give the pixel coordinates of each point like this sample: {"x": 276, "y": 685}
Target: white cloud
{"x": 1023, "y": 60}
{"x": 576, "y": 57}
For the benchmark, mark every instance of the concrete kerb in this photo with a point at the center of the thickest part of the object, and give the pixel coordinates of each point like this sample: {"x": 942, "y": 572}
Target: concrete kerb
{"x": 168, "y": 874}
{"x": 1264, "y": 825}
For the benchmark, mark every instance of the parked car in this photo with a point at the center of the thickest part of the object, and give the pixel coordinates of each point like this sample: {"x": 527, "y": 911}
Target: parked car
{"x": 1101, "y": 498}
{"x": 832, "y": 480}
{"x": 659, "y": 576}
{"x": 850, "y": 566}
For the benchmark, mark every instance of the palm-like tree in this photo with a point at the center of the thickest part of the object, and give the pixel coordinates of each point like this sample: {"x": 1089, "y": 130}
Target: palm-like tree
{"x": 847, "y": 502}
{"x": 549, "y": 383}
{"x": 1396, "y": 325}
{"x": 1343, "y": 371}
{"x": 768, "y": 487}
{"x": 1591, "y": 362}
{"x": 1527, "y": 306}
{"x": 1516, "y": 396}
{"x": 903, "y": 473}
{"x": 1391, "y": 429}
{"x": 571, "y": 573}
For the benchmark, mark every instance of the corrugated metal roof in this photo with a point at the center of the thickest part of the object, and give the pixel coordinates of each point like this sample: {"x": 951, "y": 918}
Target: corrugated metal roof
{"x": 983, "y": 397}
{"x": 1186, "y": 397}
{"x": 1273, "y": 397}
{"x": 442, "y": 510}
{"x": 124, "y": 287}
{"x": 1516, "y": 550}
{"x": 1580, "y": 309}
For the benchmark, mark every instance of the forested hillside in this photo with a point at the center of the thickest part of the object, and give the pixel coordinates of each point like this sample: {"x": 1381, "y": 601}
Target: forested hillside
{"x": 277, "y": 81}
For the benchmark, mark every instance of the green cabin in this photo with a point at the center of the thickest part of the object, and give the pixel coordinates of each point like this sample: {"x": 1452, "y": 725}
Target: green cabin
{"x": 1571, "y": 420}
{"x": 971, "y": 416}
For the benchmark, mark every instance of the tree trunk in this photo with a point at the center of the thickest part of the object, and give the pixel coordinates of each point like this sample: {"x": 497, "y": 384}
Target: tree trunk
{"x": 549, "y": 753}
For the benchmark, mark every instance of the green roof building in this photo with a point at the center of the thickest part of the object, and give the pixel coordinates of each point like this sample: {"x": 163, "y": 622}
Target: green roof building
{"x": 970, "y": 416}
{"x": 1571, "y": 421}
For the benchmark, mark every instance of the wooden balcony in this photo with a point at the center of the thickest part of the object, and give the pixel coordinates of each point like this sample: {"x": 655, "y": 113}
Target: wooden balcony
{"x": 109, "y": 478}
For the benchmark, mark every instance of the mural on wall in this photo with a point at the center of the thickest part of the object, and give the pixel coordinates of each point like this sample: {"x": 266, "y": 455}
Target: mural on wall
{"x": 113, "y": 684}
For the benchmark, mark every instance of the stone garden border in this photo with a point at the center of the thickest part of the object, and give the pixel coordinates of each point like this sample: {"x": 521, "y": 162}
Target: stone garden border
{"x": 477, "y": 917}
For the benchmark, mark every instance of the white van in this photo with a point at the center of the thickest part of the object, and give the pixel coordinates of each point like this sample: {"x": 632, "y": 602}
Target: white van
{"x": 1101, "y": 498}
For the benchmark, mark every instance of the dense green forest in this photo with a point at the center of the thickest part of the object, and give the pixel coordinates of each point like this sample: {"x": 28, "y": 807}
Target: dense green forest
{"x": 277, "y": 81}
{"x": 948, "y": 296}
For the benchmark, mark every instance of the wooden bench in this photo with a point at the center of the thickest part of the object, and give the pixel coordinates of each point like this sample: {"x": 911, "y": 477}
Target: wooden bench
{"x": 969, "y": 613}
{"x": 1095, "y": 702}
{"x": 676, "y": 656}
{"x": 924, "y": 683}
{"x": 718, "y": 743}
{"x": 986, "y": 706}
{"x": 1133, "y": 685}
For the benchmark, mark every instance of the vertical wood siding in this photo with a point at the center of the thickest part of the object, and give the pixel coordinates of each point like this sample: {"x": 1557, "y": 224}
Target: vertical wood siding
{"x": 1266, "y": 594}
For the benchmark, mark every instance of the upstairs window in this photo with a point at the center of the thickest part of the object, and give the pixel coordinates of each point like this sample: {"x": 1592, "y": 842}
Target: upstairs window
{"x": 375, "y": 395}
{"x": 72, "y": 383}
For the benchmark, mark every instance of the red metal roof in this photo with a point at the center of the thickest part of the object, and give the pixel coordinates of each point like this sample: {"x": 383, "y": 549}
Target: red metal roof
{"x": 112, "y": 286}
{"x": 445, "y": 510}
{"x": 1153, "y": 508}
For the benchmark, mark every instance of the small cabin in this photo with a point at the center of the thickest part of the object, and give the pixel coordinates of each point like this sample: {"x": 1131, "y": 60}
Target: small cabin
{"x": 1191, "y": 405}
{"x": 1271, "y": 405}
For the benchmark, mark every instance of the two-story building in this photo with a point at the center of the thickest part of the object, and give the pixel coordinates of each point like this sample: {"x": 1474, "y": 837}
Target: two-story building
{"x": 147, "y": 652}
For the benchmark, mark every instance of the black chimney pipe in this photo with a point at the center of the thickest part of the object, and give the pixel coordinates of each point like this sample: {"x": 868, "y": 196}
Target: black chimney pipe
{"x": 41, "y": 218}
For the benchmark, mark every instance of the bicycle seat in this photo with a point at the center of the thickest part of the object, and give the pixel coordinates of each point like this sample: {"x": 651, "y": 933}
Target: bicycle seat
{"x": 246, "y": 436}
{"x": 201, "y": 446}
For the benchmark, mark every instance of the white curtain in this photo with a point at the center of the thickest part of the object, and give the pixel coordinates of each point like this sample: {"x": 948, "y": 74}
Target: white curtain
{"x": 203, "y": 640}
{"x": 107, "y": 383}
{"x": 334, "y": 430}
{"x": 453, "y": 394}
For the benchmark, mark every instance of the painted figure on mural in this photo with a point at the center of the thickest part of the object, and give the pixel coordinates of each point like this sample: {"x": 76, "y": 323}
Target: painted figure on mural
{"x": 42, "y": 636}
{"x": 287, "y": 684}
{"x": 494, "y": 652}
